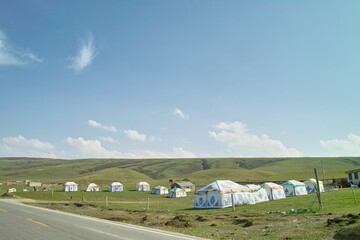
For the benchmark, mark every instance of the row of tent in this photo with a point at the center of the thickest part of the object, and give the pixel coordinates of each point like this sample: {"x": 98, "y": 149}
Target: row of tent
{"x": 118, "y": 187}
{"x": 219, "y": 194}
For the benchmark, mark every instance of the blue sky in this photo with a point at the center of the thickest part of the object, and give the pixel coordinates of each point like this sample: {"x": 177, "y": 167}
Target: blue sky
{"x": 147, "y": 79}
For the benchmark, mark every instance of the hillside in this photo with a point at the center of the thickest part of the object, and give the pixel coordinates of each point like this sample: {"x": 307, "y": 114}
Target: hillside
{"x": 200, "y": 171}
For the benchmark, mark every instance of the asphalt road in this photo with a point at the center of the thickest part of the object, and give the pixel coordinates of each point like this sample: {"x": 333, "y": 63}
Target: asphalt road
{"x": 19, "y": 221}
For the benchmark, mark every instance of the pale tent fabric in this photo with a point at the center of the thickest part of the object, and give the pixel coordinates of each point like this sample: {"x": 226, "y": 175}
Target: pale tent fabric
{"x": 92, "y": 187}
{"x": 218, "y": 195}
{"x": 259, "y": 193}
{"x": 116, "y": 187}
{"x": 311, "y": 185}
{"x": 294, "y": 188}
{"x": 176, "y": 193}
{"x": 274, "y": 191}
{"x": 142, "y": 187}
{"x": 160, "y": 190}
{"x": 70, "y": 187}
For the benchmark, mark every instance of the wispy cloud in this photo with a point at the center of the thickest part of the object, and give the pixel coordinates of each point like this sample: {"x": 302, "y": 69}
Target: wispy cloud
{"x": 180, "y": 114}
{"x": 341, "y": 147}
{"x": 239, "y": 141}
{"x": 135, "y": 135}
{"x": 95, "y": 124}
{"x": 10, "y": 56}
{"x": 85, "y": 55}
{"x": 20, "y": 146}
{"x": 108, "y": 139}
{"x": 179, "y": 152}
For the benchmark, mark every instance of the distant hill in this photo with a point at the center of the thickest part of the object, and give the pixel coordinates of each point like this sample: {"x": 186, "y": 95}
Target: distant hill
{"x": 200, "y": 170}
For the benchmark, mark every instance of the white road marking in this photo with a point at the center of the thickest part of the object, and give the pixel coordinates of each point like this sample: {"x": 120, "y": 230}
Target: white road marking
{"x": 106, "y": 233}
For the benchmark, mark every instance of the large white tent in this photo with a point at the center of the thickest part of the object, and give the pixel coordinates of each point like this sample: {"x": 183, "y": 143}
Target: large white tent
{"x": 70, "y": 187}
{"x": 92, "y": 187}
{"x": 311, "y": 185}
{"x": 218, "y": 195}
{"x": 142, "y": 187}
{"x": 116, "y": 187}
{"x": 176, "y": 193}
{"x": 274, "y": 191}
{"x": 294, "y": 188}
{"x": 259, "y": 193}
{"x": 160, "y": 190}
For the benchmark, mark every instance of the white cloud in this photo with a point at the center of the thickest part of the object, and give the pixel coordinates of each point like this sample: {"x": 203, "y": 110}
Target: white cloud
{"x": 239, "y": 141}
{"x": 85, "y": 55}
{"x": 339, "y": 147}
{"x": 179, "y": 152}
{"x": 135, "y": 135}
{"x": 95, "y": 124}
{"x": 92, "y": 148}
{"x": 21, "y": 147}
{"x": 108, "y": 139}
{"x": 10, "y": 56}
{"x": 180, "y": 114}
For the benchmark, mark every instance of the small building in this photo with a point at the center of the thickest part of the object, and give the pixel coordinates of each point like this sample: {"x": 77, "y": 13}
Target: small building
{"x": 311, "y": 185}
{"x": 187, "y": 186}
{"x": 93, "y": 187}
{"x": 353, "y": 176}
{"x": 116, "y": 187}
{"x": 142, "y": 187}
{"x": 176, "y": 193}
{"x": 160, "y": 190}
{"x": 70, "y": 187}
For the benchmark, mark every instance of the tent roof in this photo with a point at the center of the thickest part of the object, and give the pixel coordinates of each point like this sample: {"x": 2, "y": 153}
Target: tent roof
{"x": 185, "y": 184}
{"x": 177, "y": 190}
{"x": 143, "y": 183}
{"x": 293, "y": 183}
{"x": 253, "y": 186}
{"x": 92, "y": 185}
{"x": 312, "y": 181}
{"x": 70, "y": 184}
{"x": 159, "y": 187}
{"x": 115, "y": 184}
{"x": 223, "y": 186}
{"x": 271, "y": 185}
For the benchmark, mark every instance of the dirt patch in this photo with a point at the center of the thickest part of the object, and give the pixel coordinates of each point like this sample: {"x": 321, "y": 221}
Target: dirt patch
{"x": 348, "y": 233}
{"x": 343, "y": 220}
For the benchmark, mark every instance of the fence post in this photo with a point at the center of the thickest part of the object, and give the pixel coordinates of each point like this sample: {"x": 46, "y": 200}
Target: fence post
{"x": 318, "y": 189}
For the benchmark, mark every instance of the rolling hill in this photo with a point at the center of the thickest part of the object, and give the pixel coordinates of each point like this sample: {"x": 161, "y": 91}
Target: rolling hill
{"x": 199, "y": 170}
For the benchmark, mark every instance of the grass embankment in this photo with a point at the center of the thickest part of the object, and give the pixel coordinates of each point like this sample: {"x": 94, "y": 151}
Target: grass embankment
{"x": 290, "y": 218}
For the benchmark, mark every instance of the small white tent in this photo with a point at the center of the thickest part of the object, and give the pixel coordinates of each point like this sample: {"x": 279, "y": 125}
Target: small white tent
{"x": 218, "y": 195}
{"x": 116, "y": 187}
{"x": 311, "y": 185}
{"x": 160, "y": 190}
{"x": 70, "y": 187}
{"x": 258, "y": 192}
{"x": 142, "y": 187}
{"x": 294, "y": 188}
{"x": 176, "y": 193}
{"x": 274, "y": 191}
{"x": 92, "y": 187}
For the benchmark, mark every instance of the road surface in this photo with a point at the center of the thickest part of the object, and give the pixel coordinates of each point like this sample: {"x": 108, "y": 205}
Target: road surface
{"x": 19, "y": 221}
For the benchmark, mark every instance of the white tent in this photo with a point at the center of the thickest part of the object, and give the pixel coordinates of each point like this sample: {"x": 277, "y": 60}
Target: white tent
{"x": 176, "y": 193}
{"x": 70, "y": 187}
{"x": 218, "y": 195}
{"x": 116, "y": 187}
{"x": 259, "y": 193}
{"x": 160, "y": 190}
{"x": 142, "y": 187}
{"x": 274, "y": 191}
{"x": 311, "y": 185}
{"x": 294, "y": 188}
{"x": 92, "y": 187}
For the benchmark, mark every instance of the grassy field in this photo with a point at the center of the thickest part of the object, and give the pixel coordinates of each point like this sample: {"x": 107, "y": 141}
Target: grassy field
{"x": 290, "y": 218}
{"x": 199, "y": 171}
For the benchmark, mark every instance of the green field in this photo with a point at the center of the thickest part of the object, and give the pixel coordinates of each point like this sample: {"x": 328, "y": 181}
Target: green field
{"x": 290, "y": 218}
{"x": 159, "y": 171}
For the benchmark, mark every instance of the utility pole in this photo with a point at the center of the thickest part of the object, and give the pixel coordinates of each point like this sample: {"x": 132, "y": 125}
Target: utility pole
{"x": 318, "y": 189}
{"x": 323, "y": 171}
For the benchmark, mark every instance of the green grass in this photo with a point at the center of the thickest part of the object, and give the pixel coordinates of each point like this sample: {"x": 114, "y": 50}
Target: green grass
{"x": 200, "y": 171}
{"x": 293, "y": 217}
